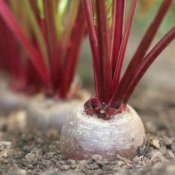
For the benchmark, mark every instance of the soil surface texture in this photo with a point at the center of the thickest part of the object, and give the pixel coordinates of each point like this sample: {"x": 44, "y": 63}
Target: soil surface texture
{"x": 26, "y": 152}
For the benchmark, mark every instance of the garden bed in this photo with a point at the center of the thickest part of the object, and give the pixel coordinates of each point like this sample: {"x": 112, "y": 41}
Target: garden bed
{"x": 24, "y": 152}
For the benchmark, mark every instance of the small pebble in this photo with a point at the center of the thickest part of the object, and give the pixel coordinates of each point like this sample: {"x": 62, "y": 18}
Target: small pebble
{"x": 155, "y": 143}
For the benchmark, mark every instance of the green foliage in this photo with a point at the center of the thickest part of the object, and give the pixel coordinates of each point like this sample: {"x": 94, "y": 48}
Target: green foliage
{"x": 108, "y": 4}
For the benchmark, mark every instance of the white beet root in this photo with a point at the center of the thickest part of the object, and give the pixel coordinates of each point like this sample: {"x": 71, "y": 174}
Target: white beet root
{"x": 45, "y": 113}
{"x": 83, "y": 136}
{"x": 11, "y": 101}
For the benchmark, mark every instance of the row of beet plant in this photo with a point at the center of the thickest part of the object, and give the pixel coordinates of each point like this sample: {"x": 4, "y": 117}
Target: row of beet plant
{"x": 40, "y": 45}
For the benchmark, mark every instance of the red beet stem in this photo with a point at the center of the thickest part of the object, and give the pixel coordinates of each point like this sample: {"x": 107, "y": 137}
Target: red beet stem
{"x": 104, "y": 55}
{"x": 12, "y": 58}
{"x": 88, "y": 11}
{"x": 142, "y": 49}
{"x": 118, "y": 11}
{"x": 148, "y": 60}
{"x": 72, "y": 52}
{"x": 30, "y": 50}
{"x": 123, "y": 46}
{"x": 51, "y": 37}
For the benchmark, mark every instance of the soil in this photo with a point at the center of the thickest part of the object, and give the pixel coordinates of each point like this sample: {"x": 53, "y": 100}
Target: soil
{"x": 25, "y": 152}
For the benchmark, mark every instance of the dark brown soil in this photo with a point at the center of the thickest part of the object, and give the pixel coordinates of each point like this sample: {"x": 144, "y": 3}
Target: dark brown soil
{"x": 24, "y": 152}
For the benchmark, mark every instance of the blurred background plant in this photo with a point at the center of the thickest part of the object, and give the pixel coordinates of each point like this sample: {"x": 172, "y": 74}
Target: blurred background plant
{"x": 40, "y": 43}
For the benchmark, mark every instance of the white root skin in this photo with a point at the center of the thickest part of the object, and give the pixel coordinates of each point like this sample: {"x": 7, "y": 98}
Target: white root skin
{"x": 44, "y": 113}
{"x": 83, "y": 136}
{"x": 11, "y": 101}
